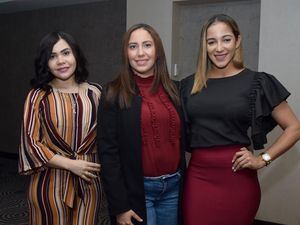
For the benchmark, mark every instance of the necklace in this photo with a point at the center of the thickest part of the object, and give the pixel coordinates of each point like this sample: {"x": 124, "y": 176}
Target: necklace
{"x": 72, "y": 89}
{"x": 74, "y": 105}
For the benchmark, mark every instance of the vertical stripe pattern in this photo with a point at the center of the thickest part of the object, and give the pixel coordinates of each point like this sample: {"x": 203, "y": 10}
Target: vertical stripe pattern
{"x": 64, "y": 124}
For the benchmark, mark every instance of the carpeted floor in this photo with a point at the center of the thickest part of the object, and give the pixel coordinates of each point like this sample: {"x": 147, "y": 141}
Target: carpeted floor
{"x": 13, "y": 204}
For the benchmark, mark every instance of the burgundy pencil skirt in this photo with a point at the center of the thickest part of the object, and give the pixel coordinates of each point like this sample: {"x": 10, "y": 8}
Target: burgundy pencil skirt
{"x": 214, "y": 194}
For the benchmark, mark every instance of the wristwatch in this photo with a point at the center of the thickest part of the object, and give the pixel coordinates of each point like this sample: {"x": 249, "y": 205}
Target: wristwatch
{"x": 266, "y": 158}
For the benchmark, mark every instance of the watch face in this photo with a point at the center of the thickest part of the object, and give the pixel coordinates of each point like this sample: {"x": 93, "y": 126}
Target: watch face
{"x": 266, "y": 157}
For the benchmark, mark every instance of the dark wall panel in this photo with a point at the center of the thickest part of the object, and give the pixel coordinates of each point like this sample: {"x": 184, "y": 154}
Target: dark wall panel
{"x": 98, "y": 27}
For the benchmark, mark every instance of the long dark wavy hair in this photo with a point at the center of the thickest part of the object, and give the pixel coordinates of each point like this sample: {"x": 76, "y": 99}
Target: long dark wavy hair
{"x": 123, "y": 88}
{"x": 42, "y": 73}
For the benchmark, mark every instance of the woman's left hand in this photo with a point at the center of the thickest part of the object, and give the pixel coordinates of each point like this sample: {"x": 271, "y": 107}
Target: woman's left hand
{"x": 245, "y": 159}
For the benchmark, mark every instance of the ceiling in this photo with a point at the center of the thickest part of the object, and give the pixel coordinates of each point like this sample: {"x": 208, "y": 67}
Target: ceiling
{"x": 11, "y": 6}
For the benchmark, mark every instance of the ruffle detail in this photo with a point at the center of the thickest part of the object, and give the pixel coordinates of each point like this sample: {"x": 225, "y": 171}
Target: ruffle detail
{"x": 172, "y": 119}
{"x": 173, "y": 132}
{"x": 154, "y": 124}
{"x": 266, "y": 93}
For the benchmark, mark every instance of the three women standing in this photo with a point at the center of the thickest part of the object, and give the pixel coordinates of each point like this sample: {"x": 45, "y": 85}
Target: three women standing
{"x": 58, "y": 140}
{"x": 141, "y": 140}
{"x": 141, "y": 135}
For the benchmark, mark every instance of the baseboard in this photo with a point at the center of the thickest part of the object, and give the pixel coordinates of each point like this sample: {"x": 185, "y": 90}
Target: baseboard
{"x": 261, "y": 222}
{"x": 8, "y": 155}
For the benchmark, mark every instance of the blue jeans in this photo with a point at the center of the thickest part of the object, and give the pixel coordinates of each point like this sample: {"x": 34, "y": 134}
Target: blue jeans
{"x": 162, "y": 194}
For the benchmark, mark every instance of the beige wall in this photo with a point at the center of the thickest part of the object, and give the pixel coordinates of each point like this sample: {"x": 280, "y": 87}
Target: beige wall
{"x": 279, "y": 55}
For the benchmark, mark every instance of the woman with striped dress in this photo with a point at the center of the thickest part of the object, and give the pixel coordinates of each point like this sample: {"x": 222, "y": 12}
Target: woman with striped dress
{"x": 58, "y": 148}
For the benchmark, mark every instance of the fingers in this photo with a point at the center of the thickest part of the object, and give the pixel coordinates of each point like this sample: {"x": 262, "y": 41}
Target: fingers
{"x": 84, "y": 177}
{"x": 239, "y": 153}
{"x": 136, "y": 216}
{"x": 91, "y": 172}
{"x": 240, "y": 163}
{"x": 96, "y": 167}
{"x": 125, "y": 218}
{"x": 93, "y": 169}
{"x": 85, "y": 170}
{"x": 242, "y": 159}
{"x": 88, "y": 176}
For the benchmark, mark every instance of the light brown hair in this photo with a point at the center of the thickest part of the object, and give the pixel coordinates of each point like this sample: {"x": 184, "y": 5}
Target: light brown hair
{"x": 203, "y": 61}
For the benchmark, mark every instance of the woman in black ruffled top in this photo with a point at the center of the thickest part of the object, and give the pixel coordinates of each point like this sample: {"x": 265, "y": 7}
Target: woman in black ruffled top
{"x": 222, "y": 100}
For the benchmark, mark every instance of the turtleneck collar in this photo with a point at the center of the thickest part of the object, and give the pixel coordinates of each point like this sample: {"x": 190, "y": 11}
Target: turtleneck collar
{"x": 147, "y": 81}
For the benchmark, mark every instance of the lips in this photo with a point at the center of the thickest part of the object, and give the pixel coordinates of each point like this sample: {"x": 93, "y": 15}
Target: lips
{"x": 63, "y": 69}
{"x": 141, "y": 62}
{"x": 220, "y": 57}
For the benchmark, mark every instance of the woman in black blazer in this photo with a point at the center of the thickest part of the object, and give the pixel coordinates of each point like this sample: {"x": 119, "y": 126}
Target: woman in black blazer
{"x": 140, "y": 135}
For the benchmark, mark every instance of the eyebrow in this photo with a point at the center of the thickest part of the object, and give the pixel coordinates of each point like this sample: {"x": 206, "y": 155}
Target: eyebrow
{"x": 142, "y": 42}
{"x": 65, "y": 49}
{"x": 226, "y": 35}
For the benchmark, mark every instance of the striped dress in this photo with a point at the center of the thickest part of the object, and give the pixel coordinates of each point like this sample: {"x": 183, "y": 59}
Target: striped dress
{"x": 65, "y": 124}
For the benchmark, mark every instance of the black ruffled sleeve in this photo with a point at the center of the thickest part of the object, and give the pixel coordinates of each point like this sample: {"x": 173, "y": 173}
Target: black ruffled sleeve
{"x": 267, "y": 92}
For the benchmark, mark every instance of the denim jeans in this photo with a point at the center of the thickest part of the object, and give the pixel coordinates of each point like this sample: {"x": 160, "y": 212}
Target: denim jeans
{"x": 162, "y": 194}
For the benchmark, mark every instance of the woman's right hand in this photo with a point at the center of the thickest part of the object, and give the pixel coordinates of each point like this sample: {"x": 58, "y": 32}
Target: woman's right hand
{"x": 125, "y": 218}
{"x": 84, "y": 169}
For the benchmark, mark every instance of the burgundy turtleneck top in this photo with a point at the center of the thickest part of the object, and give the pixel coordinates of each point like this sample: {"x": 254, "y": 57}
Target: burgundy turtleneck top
{"x": 160, "y": 129}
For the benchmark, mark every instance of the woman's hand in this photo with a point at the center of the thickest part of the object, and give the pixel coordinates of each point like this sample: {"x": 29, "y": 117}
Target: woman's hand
{"x": 84, "y": 169}
{"x": 245, "y": 159}
{"x": 125, "y": 218}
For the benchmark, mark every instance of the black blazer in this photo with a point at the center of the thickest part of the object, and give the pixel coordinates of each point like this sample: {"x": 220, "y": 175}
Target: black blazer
{"x": 119, "y": 145}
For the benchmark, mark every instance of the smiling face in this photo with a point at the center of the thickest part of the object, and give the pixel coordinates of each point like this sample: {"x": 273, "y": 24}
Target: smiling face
{"x": 141, "y": 53}
{"x": 62, "y": 63}
{"x": 221, "y": 46}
